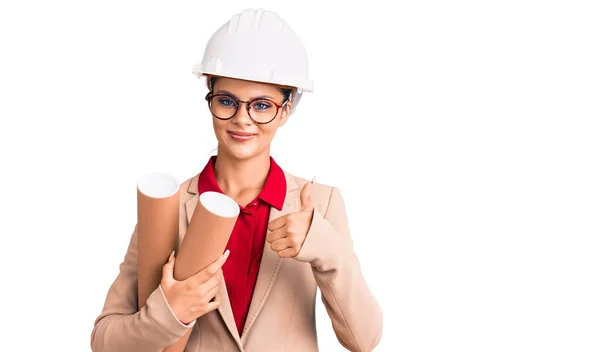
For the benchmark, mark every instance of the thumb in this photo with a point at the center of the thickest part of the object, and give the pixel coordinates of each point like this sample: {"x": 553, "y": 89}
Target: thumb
{"x": 167, "y": 271}
{"x": 305, "y": 198}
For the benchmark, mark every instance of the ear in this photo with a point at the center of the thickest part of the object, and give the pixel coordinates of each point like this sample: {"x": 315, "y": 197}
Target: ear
{"x": 285, "y": 113}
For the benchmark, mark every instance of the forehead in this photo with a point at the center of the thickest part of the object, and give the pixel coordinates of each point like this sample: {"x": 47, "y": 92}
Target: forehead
{"x": 246, "y": 89}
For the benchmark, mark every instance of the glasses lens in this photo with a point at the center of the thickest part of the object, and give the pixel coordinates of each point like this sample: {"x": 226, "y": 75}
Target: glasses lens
{"x": 222, "y": 106}
{"x": 262, "y": 110}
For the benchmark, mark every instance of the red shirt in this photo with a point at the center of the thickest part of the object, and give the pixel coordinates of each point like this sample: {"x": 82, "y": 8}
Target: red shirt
{"x": 247, "y": 240}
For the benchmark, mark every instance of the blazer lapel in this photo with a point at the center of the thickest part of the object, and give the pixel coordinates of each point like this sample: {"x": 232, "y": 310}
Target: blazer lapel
{"x": 270, "y": 263}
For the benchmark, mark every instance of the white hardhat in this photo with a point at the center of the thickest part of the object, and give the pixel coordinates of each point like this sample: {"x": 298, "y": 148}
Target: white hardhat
{"x": 257, "y": 45}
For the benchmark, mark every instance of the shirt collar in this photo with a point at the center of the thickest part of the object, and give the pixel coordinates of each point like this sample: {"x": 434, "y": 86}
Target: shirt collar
{"x": 273, "y": 192}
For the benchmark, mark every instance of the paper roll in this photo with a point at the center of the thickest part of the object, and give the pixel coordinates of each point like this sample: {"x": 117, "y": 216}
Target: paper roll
{"x": 207, "y": 234}
{"x": 158, "y": 229}
{"x": 205, "y": 240}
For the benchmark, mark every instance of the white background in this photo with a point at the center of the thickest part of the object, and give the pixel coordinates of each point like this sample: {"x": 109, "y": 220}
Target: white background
{"x": 463, "y": 135}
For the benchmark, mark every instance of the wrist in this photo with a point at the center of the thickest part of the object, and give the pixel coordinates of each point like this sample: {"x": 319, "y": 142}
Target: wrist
{"x": 172, "y": 308}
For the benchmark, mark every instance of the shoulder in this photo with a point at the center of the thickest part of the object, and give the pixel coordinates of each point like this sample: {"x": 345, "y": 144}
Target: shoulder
{"x": 188, "y": 188}
{"x": 185, "y": 185}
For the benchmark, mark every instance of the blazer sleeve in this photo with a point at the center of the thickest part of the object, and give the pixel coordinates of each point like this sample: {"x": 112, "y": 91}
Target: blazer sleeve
{"x": 121, "y": 327}
{"x": 355, "y": 314}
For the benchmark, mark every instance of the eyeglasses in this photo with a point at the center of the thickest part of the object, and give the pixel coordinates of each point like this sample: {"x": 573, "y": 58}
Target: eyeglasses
{"x": 260, "y": 110}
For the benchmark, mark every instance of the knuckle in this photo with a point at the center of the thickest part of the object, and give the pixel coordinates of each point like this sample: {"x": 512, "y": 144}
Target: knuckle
{"x": 217, "y": 275}
{"x": 203, "y": 274}
{"x": 188, "y": 286}
{"x": 212, "y": 271}
{"x": 208, "y": 271}
{"x": 185, "y": 287}
{"x": 201, "y": 292}
{"x": 210, "y": 283}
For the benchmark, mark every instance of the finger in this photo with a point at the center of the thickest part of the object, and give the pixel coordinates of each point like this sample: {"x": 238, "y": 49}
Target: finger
{"x": 282, "y": 244}
{"x": 278, "y": 223}
{"x": 216, "y": 298}
{"x": 305, "y": 198}
{"x": 287, "y": 253}
{"x": 214, "y": 281}
{"x": 167, "y": 269}
{"x": 277, "y": 234}
{"x": 212, "y": 293}
{"x": 212, "y": 306}
{"x": 206, "y": 273}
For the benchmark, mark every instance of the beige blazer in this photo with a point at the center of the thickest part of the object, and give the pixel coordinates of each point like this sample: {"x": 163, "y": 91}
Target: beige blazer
{"x": 282, "y": 312}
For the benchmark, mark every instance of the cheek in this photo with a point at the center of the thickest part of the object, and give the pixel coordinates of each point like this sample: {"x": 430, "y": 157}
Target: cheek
{"x": 219, "y": 128}
{"x": 267, "y": 133}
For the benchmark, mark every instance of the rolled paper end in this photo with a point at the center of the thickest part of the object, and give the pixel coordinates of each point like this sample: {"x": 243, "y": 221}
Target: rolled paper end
{"x": 220, "y": 204}
{"x": 207, "y": 234}
{"x": 158, "y": 228}
{"x": 158, "y": 185}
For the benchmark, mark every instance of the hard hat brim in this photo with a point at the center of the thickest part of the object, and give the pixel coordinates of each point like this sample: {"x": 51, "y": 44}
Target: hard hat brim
{"x": 304, "y": 86}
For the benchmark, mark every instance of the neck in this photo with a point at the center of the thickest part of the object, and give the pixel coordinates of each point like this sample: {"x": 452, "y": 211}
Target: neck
{"x": 235, "y": 176}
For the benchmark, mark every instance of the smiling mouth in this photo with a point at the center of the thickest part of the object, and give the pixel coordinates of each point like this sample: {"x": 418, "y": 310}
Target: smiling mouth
{"x": 240, "y": 137}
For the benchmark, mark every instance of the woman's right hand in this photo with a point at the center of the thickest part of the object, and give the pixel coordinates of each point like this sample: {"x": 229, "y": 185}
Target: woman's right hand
{"x": 191, "y": 298}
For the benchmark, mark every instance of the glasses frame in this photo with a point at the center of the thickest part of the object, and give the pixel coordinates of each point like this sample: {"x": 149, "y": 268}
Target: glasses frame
{"x": 210, "y": 95}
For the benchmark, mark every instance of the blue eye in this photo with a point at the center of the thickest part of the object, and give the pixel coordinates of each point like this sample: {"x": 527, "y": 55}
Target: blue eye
{"x": 227, "y": 102}
{"x": 261, "y": 105}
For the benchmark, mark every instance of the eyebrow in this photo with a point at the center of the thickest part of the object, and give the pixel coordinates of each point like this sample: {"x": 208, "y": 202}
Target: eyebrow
{"x": 252, "y": 98}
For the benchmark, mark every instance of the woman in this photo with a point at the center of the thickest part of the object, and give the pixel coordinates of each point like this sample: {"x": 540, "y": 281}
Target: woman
{"x": 291, "y": 235}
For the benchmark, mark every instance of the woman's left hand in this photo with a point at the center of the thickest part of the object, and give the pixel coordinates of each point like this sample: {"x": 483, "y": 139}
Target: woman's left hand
{"x": 289, "y": 231}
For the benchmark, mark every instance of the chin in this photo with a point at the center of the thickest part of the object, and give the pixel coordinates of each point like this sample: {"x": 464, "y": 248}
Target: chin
{"x": 243, "y": 155}
{"x": 241, "y": 152}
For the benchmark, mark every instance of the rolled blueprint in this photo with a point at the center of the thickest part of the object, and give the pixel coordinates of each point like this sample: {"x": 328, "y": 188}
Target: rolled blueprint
{"x": 207, "y": 234}
{"x": 205, "y": 240}
{"x": 158, "y": 229}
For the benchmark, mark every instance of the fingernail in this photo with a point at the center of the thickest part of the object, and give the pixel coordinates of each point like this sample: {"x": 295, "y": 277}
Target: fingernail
{"x": 313, "y": 180}
{"x": 226, "y": 254}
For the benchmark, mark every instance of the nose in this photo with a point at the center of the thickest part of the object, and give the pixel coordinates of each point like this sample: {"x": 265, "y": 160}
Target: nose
{"x": 241, "y": 116}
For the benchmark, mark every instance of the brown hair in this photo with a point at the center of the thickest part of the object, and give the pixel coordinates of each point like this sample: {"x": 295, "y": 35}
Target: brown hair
{"x": 287, "y": 92}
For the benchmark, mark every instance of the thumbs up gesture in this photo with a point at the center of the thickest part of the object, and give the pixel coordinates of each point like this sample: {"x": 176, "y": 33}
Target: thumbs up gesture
{"x": 289, "y": 231}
